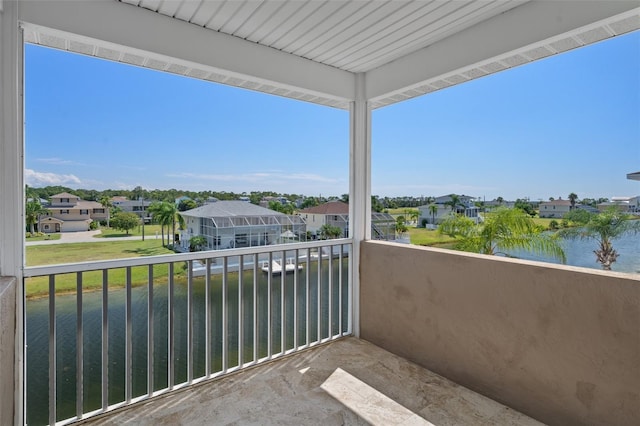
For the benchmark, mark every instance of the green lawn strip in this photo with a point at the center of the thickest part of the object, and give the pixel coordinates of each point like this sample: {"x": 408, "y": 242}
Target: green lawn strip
{"x": 92, "y": 280}
{"x": 428, "y": 237}
{"x": 149, "y": 231}
{"x": 86, "y": 252}
{"x": 46, "y": 237}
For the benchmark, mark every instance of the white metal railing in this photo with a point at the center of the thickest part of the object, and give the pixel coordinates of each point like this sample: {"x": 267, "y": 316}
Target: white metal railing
{"x": 309, "y": 305}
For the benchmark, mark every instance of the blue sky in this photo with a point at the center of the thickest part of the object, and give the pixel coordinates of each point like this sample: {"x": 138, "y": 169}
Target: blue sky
{"x": 569, "y": 123}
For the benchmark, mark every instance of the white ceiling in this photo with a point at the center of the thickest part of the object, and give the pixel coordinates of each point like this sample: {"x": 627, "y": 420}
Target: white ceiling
{"x": 354, "y": 36}
{"x": 311, "y": 49}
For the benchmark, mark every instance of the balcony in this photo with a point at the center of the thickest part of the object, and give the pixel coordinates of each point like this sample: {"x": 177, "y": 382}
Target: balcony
{"x": 516, "y": 341}
{"x": 556, "y": 343}
{"x": 348, "y": 381}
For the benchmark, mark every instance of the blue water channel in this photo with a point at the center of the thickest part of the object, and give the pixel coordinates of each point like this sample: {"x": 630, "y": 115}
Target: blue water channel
{"x": 579, "y": 252}
{"x": 37, "y": 333}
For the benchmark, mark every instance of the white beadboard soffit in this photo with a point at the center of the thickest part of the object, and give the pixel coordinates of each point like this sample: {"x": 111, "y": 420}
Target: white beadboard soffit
{"x": 351, "y": 36}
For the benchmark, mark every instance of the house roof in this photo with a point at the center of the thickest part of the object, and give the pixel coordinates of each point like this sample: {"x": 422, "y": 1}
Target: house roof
{"x": 89, "y": 205}
{"x": 556, "y": 203}
{"x": 65, "y": 195}
{"x": 446, "y": 198}
{"x": 332, "y": 207}
{"x": 633, "y": 176}
{"x": 230, "y": 208}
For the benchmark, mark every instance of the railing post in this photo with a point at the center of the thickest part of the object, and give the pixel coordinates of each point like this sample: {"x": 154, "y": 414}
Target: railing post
{"x": 359, "y": 190}
{"x": 12, "y": 206}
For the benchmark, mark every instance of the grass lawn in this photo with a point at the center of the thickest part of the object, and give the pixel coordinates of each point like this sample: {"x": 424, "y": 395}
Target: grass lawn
{"x": 149, "y": 231}
{"x": 42, "y": 237}
{"x": 401, "y": 211}
{"x": 83, "y": 252}
{"x": 427, "y": 237}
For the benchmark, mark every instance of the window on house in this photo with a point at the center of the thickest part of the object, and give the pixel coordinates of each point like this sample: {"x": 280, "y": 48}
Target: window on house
{"x": 64, "y": 211}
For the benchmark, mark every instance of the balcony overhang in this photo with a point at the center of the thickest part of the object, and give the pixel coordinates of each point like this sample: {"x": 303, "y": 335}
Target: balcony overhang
{"x": 633, "y": 176}
{"x": 439, "y": 52}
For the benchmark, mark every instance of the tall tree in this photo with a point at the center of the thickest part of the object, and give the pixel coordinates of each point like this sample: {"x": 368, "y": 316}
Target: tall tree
{"x": 166, "y": 214}
{"x": 503, "y": 230}
{"x": 33, "y": 211}
{"x": 106, "y": 203}
{"x": 573, "y": 198}
{"x": 185, "y": 205}
{"x": 605, "y": 227}
{"x": 454, "y": 202}
{"x": 125, "y": 221}
{"x": 157, "y": 213}
{"x": 433, "y": 209}
{"x": 414, "y": 215}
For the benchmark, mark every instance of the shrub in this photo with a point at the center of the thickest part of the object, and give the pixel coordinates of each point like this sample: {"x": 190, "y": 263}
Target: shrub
{"x": 553, "y": 224}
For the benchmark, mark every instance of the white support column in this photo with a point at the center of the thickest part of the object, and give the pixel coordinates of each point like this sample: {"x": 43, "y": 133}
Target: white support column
{"x": 11, "y": 186}
{"x": 359, "y": 186}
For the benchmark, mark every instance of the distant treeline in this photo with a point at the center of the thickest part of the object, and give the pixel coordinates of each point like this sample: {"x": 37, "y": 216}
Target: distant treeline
{"x": 302, "y": 201}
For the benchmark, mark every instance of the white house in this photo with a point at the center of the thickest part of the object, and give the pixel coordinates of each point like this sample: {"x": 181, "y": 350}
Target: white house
{"x": 625, "y": 204}
{"x": 229, "y": 224}
{"x": 555, "y": 208}
{"x": 435, "y": 212}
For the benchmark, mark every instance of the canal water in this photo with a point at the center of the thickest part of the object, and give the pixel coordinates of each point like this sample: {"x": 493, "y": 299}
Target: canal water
{"x": 580, "y": 253}
{"x": 37, "y": 333}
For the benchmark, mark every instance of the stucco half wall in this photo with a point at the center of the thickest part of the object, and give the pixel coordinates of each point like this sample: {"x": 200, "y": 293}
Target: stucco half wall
{"x": 561, "y": 344}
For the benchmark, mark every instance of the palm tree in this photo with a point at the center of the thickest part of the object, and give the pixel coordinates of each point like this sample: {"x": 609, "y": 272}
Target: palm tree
{"x": 503, "y": 230}
{"x": 166, "y": 214}
{"x": 106, "y": 203}
{"x": 414, "y": 215}
{"x": 604, "y": 228}
{"x": 433, "y": 209}
{"x": 573, "y": 198}
{"x": 161, "y": 213}
{"x": 454, "y": 202}
{"x": 330, "y": 231}
{"x": 33, "y": 211}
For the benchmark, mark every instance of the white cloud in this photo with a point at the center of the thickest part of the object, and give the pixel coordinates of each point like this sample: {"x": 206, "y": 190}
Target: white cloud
{"x": 56, "y": 161}
{"x": 34, "y": 178}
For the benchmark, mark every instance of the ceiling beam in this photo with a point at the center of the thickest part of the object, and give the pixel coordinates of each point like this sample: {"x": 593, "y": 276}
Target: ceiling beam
{"x": 523, "y": 26}
{"x": 141, "y": 30}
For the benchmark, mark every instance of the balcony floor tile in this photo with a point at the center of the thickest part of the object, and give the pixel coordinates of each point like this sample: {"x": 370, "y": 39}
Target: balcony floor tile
{"x": 346, "y": 382}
